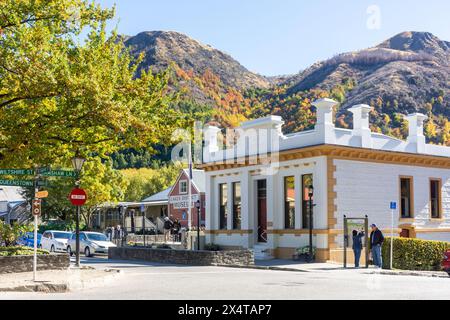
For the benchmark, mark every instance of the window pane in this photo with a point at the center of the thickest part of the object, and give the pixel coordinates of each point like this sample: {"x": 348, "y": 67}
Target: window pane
{"x": 435, "y": 195}
{"x": 405, "y": 203}
{"x": 223, "y": 210}
{"x": 307, "y": 181}
{"x": 289, "y": 202}
{"x": 236, "y": 205}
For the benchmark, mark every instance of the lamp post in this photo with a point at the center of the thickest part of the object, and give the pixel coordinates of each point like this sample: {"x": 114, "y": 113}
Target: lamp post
{"x": 77, "y": 163}
{"x": 198, "y": 206}
{"x": 310, "y": 218}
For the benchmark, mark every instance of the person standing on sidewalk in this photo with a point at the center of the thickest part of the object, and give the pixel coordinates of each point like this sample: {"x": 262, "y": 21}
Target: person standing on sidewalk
{"x": 357, "y": 246}
{"x": 376, "y": 241}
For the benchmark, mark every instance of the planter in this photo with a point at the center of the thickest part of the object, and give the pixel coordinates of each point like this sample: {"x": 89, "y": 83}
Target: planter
{"x": 13, "y": 264}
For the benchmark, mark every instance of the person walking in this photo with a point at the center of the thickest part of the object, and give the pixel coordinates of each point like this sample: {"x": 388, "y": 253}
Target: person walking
{"x": 168, "y": 225}
{"x": 357, "y": 246}
{"x": 376, "y": 241}
{"x": 176, "y": 230}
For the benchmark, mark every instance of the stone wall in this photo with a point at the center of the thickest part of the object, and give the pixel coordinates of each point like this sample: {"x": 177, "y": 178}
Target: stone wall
{"x": 186, "y": 257}
{"x": 15, "y": 264}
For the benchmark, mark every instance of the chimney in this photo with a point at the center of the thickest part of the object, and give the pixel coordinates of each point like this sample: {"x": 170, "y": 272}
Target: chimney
{"x": 361, "y": 127}
{"x": 415, "y": 135}
{"x": 325, "y": 124}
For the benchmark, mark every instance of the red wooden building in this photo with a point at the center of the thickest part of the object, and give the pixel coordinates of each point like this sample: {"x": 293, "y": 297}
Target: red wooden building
{"x": 179, "y": 195}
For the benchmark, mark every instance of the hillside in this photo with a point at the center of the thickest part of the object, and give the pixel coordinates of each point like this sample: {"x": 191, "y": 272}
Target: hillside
{"x": 409, "y": 72}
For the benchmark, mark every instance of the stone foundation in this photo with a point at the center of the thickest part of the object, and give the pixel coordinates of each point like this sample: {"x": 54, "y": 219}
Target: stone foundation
{"x": 186, "y": 257}
{"x": 15, "y": 264}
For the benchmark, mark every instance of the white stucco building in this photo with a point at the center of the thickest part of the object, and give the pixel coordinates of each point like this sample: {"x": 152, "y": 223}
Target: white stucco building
{"x": 353, "y": 172}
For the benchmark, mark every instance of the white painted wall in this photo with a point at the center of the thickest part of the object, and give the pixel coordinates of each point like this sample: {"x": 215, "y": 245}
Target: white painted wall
{"x": 368, "y": 188}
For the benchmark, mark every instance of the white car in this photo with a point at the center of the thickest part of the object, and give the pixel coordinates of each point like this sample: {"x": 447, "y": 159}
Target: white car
{"x": 55, "y": 241}
{"x": 90, "y": 243}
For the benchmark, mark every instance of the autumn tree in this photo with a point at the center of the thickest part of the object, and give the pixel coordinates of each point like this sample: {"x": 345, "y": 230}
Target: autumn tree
{"x": 60, "y": 94}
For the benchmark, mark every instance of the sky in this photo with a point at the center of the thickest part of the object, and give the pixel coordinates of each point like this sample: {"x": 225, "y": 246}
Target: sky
{"x": 277, "y": 37}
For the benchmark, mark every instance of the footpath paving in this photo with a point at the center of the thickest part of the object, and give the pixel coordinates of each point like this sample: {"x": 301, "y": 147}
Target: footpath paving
{"x": 57, "y": 281}
{"x": 295, "y": 266}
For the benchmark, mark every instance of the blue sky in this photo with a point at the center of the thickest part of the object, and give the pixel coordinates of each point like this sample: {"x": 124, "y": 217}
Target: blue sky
{"x": 274, "y": 37}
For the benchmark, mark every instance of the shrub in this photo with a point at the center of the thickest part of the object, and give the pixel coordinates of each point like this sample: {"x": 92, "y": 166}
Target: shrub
{"x": 19, "y": 251}
{"x": 61, "y": 226}
{"x": 163, "y": 246}
{"x": 212, "y": 247}
{"x": 414, "y": 254}
{"x": 9, "y": 234}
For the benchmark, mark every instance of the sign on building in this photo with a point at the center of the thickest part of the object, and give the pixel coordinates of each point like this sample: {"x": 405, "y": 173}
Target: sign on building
{"x": 182, "y": 202}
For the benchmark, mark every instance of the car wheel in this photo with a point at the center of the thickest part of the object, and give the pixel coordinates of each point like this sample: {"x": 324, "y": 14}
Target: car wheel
{"x": 87, "y": 252}
{"x": 69, "y": 251}
{"x": 52, "y": 248}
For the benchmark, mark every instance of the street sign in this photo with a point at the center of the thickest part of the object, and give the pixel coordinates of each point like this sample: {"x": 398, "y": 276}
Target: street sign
{"x": 17, "y": 183}
{"x": 393, "y": 205}
{"x": 78, "y": 197}
{"x": 36, "y": 207}
{"x": 16, "y": 172}
{"x": 22, "y": 183}
{"x": 41, "y": 194}
{"x": 59, "y": 173}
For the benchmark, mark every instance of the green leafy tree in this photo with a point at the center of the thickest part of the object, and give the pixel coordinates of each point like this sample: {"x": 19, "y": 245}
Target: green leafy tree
{"x": 59, "y": 94}
{"x": 146, "y": 182}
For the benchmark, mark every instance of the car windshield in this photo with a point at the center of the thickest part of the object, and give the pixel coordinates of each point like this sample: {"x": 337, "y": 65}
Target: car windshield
{"x": 97, "y": 237}
{"x": 61, "y": 235}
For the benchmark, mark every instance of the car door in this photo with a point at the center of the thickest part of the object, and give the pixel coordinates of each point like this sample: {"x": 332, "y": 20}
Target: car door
{"x": 45, "y": 241}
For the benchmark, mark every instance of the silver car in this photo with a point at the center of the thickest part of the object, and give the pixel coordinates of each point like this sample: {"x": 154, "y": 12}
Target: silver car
{"x": 90, "y": 243}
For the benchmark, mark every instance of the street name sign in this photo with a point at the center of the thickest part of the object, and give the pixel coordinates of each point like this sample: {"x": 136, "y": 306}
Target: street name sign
{"x": 59, "y": 173}
{"x": 78, "y": 197}
{"x": 16, "y": 172}
{"x": 17, "y": 183}
{"x": 36, "y": 207}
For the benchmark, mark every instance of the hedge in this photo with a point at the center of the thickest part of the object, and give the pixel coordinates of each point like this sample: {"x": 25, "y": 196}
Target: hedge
{"x": 19, "y": 251}
{"x": 414, "y": 254}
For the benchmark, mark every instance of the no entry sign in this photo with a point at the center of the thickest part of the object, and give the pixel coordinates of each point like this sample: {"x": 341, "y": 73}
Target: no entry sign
{"x": 78, "y": 197}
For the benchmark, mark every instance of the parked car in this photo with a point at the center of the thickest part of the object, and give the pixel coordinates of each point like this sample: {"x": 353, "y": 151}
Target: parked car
{"x": 90, "y": 243}
{"x": 446, "y": 262}
{"x": 55, "y": 241}
{"x": 28, "y": 239}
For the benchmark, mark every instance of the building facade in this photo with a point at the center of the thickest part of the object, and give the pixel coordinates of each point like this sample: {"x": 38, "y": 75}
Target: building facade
{"x": 179, "y": 195}
{"x": 257, "y": 192}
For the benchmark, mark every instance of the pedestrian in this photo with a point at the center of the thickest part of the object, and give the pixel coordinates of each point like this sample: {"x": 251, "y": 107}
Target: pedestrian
{"x": 177, "y": 230}
{"x": 376, "y": 241}
{"x": 168, "y": 225}
{"x": 357, "y": 246}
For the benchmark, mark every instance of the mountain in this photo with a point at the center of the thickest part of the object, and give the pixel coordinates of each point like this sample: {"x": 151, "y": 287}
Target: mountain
{"x": 409, "y": 72}
{"x": 402, "y": 74}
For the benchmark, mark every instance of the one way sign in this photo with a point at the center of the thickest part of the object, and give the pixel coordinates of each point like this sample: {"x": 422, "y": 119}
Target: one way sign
{"x": 36, "y": 207}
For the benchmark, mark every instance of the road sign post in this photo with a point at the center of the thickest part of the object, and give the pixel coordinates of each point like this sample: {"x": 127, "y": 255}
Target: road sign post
{"x": 393, "y": 207}
{"x": 36, "y": 210}
{"x": 78, "y": 198}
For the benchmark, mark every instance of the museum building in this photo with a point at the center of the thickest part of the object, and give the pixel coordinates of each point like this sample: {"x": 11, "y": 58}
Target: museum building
{"x": 259, "y": 191}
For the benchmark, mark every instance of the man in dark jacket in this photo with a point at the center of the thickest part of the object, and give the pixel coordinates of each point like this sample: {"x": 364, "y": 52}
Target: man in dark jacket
{"x": 376, "y": 241}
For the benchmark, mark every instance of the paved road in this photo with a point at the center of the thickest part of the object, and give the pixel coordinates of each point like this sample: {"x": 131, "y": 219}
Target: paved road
{"x": 154, "y": 281}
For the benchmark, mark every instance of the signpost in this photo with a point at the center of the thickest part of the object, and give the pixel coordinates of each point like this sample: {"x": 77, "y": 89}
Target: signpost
{"x": 393, "y": 207}
{"x": 143, "y": 221}
{"x": 78, "y": 198}
{"x": 36, "y": 210}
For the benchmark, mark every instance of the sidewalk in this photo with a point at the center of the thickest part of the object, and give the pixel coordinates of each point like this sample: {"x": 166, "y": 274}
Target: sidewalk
{"x": 56, "y": 280}
{"x": 296, "y": 266}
